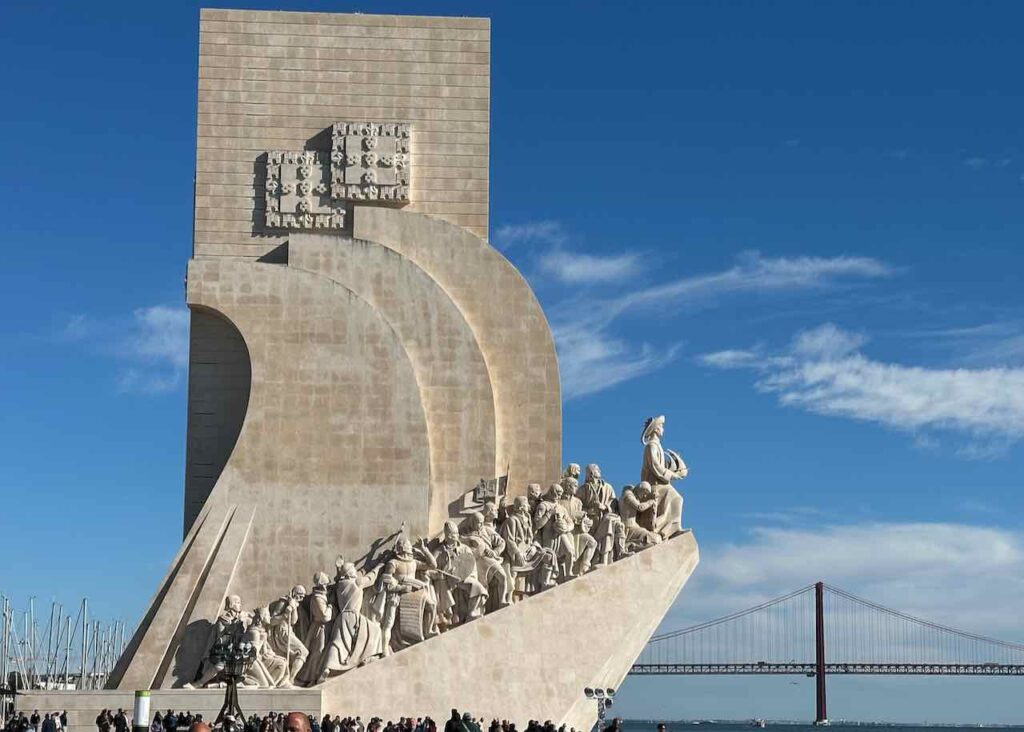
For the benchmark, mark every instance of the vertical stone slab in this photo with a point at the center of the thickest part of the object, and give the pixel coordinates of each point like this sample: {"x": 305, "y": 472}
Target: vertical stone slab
{"x": 509, "y": 325}
{"x": 333, "y": 452}
{"x": 454, "y": 383}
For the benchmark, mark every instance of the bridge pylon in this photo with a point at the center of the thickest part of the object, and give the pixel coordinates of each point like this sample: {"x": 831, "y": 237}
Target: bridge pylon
{"x": 821, "y": 717}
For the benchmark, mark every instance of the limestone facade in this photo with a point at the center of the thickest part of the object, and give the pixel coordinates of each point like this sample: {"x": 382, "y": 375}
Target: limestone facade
{"x": 271, "y": 80}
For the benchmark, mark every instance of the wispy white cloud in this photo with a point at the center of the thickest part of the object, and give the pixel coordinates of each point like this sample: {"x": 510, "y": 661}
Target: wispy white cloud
{"x": 978, "y": 162}
{"x": 593, "y": 358}
{"x": 547, "y": 232}
{"x": 577, "y": 268}
{"x": 824, "y": 371}
{"x": 152, "y": 345}
{"x": 752, "y": 273}
{"x": 592, "y": 361}
{"x": 159, "y": 334}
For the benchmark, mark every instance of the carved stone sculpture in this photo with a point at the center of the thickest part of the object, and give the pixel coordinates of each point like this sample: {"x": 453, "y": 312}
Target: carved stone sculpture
{"x": 585, "y": 545}
{"x": 399, "y": 584}
{"x": 284, "y": 615}
{"x": 227, "y": 630}
{"x": 534, "y": 498}
{"x": 555, "y": 529}
{"x": 530, "y": 565}
{"x": 660, "y": 467}
{"x": 489, "y": 547}
{"x": 308, "y": 189}
{"x": 269, "y": 670}
{"x": 635, "y": 503}
{"x": 315, "y": 616}
{"x": 497, "y": 555}
{"x": 598, "y": 499}
{"x": 355, "y": 638}
{"x": 461, "y": 596}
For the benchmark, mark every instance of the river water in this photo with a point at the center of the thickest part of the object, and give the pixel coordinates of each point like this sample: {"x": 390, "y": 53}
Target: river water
{"x": 640, "y": 725}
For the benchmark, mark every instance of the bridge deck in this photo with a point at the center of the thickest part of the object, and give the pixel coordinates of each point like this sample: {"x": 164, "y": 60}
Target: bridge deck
{"x": 807, "y": 669}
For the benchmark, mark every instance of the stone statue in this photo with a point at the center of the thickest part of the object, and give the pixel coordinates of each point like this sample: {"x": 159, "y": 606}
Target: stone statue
{"x": 598, "y": 499}
{"x": 461, "y": 596}
{"x": 284, "y": 615}
{"x": 227, "y": 631}
{"x": 269, "y": 670}
{"x": 315, "y": 615}
{"x": 529, "y": 564}
{"x": 660, "y": 467}
{"x": 555, "y": 528}
{"x": 533, "y": 494}
{"x": 585, "y": 544}
{"x": 489, "y": 547}
{"x": 355, "y": 638}
{"x": 399, "y": 580}
{"x": 633, "y": 504}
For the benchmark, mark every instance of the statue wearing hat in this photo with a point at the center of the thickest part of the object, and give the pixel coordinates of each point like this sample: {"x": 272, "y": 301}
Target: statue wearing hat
{"x": 660, "y": 467}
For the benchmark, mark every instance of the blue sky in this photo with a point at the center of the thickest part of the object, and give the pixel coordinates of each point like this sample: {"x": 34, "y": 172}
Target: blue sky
{"x": 794, "y": 228}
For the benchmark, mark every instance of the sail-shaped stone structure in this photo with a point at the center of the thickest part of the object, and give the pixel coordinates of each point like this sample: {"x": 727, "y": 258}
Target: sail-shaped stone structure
{"x": 360, "y": 358}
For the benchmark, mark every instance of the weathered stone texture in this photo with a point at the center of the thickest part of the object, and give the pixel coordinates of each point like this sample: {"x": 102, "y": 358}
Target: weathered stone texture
{"x": 273, "y": 81}
{"x": 454, "y": 384}
{"x": 510, "y": 327}
{"x": 335, "y": 428}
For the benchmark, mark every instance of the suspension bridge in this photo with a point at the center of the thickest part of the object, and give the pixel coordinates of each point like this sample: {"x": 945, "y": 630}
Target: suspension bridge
{"x": 820, "y": 630}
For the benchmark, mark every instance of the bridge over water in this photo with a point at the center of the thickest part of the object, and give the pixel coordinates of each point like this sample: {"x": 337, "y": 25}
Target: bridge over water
{"x": 820, "y": 630}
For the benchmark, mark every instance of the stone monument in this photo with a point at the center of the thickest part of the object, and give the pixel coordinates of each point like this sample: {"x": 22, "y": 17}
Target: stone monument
{"x": 374, "y": 388}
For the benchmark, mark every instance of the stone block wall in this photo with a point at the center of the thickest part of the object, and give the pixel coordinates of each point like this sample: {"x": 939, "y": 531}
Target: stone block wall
{"x": 272, "y": 80}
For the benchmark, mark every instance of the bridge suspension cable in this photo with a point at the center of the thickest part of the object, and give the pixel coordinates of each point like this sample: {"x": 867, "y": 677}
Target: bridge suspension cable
{"x": 820, "y": 630}
{"x": 860, "y": 636}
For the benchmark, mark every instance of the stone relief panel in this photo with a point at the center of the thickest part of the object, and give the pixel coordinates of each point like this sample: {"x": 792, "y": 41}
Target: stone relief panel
{"x": 370, "y": 161}
{"x": 299, "y": 194}
{"x": 307, "y": 189}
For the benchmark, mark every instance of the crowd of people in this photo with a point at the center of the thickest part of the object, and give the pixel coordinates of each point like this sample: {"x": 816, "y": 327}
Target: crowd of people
{"x": 48, "y": 722}
{"x": 172, "y": 721}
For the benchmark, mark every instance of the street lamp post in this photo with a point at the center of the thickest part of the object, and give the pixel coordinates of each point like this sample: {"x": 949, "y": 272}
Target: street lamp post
{"x": 603, "y": 697}
{"x": 236, "y": 658}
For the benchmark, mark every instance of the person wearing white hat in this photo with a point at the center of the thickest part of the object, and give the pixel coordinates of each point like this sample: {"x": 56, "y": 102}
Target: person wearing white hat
{"x": 660, "y": 467}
